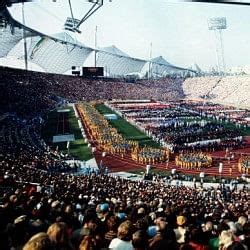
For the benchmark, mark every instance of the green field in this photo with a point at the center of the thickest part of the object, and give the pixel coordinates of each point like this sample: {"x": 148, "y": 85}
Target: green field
{"x": 128, "y": 131}
{"x": 78, "y": 148}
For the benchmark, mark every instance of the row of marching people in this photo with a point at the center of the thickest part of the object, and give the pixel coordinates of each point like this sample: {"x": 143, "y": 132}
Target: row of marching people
{"x": 111, "y": 142}
{"x": 148, "y": 155}
{"x": 106, "y": 136}
{"x": 193, "y": 161}
{"x": 244, "y": 164}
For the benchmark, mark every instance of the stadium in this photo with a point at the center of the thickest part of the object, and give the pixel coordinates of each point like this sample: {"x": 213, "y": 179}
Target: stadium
{"x": 129, "y": 145}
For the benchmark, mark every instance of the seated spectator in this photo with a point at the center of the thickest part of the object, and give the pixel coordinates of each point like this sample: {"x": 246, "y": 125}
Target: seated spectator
{"x": 88, "y": 243}
{"x": 89, "y": 228}
{"x": 112, "y": 226}
{"x": 181, "y": 229}
{"x": 39, "y": 241}
{"x": 139, "y": 240}
{"x": 165, "y": 236}
{"x": 196, "y": 240}
{"x": 124, "y": 237}
{"x": 58, "y": 235}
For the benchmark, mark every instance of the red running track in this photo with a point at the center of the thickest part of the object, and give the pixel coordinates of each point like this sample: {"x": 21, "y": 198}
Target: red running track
{"x": 116, "y": 163}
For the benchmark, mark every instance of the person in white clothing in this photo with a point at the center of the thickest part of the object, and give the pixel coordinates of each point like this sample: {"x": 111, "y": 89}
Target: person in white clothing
{"x": 124, "y": 236}
{"x": 180, "y": 231}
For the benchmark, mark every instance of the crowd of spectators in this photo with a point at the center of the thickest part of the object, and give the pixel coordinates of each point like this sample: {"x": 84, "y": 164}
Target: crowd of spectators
{"x": 28, "y": 93}
{"x": 42, "y": 208}
{"x": 21, "y": 142}
{"x": 66, "y": 211}
{"x": 228, "y": 90}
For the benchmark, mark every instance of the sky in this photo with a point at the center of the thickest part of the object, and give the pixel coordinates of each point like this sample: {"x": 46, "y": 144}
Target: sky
{"x": 177, "y": 30}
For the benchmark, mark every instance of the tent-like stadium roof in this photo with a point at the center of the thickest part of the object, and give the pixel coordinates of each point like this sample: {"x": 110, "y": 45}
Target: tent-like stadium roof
{"x": 58, "y": 57}
{"x": 55, "y": 54}
{"x": 160, "y": 60}
{"x": 59, "y": 52}
{"x": 114, "y": 50}
{"x": 118, "y": 63}
{"x": 161, "y": 67}
{"x": 9, "y": 37}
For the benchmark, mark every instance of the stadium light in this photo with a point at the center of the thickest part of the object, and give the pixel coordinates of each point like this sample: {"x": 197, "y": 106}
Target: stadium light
{"x": 71, "y": 23}
{"x": 217, "y": 25}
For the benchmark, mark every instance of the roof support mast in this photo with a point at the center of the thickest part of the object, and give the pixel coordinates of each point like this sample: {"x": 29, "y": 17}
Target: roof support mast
{"x": 24, "y": 40}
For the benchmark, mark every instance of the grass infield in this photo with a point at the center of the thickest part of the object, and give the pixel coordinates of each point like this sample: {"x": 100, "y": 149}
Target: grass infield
{"x": 127, "y": 130}
{"x": 78, "y": 148}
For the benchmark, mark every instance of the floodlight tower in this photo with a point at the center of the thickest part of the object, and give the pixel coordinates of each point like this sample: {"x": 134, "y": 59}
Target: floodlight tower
{"x": 217, "y": 25}
{"x": 150, "y": 63}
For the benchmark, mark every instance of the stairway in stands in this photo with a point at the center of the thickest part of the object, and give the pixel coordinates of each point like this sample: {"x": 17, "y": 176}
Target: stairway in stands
{"x": 213, "y": 87}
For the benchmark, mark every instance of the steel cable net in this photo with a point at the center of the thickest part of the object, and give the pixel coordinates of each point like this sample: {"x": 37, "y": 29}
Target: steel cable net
{"x": 59, "y": 52}
{"x": 164, "y": 70}
{"x": 117, "y": 65}
{"x": 158, "y": 69}
{"x": 56, "y": 56}
{"x": 50, "y": 53}
{"x": 18, "y": 51}
{"x": 9, "y": 37}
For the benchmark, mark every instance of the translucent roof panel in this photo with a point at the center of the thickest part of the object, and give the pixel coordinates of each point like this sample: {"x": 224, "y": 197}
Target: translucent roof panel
{"x": 9, "y": 37}
{"x": 114, "y": 50}
{"x": 52, "y": 54}
{"x": 160, "y": 60}
{"x": 160, "y": 70}
{"x": 59, "y": 52}
{"x": 163, "y": 70}
{"x": 66, "y": 37}
{"x": 56, "y": 56}
{"x": 117, "y": 65}
{"x": 18, "y": 50}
